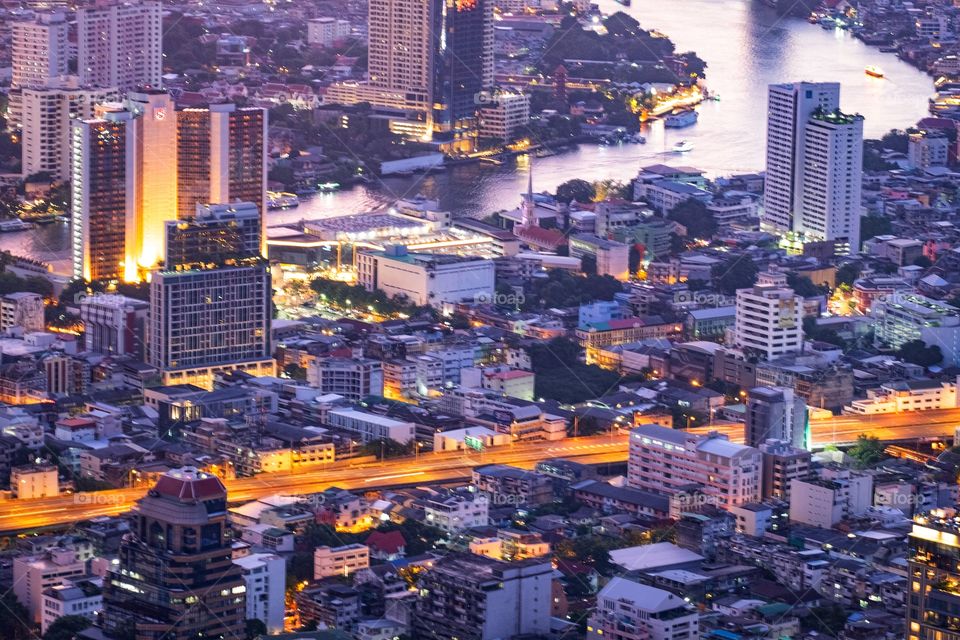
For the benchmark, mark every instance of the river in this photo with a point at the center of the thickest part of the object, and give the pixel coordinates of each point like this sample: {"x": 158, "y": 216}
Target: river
{"x": 746, "y": 47}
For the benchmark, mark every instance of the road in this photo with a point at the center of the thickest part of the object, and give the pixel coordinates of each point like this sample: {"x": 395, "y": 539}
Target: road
{"x": 890, "y": 427}
{"x": 25, "y": 515}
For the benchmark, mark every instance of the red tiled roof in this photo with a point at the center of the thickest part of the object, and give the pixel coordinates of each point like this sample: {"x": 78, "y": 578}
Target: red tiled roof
{"x": 189, "y": 484}
{"x": 386, "y": 541}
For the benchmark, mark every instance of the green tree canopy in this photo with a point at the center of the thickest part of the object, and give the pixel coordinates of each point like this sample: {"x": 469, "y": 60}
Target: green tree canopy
{"x": 693, "y": 215}
{"x": 576, "y": 189}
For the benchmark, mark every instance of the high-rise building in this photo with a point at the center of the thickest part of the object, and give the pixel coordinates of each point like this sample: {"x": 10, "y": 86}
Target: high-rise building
{"x": 39, "y": 52}
{"x": 768, "y": 317}
{"x": 213, "y": 315}
{"x": 103, "y": 179}
{"x": 462, "y": 68}
{"x": 789, "y": 107}
{"x": 668, "y": 461}
{"x": 832, "y": 176}
{"x": 221, "y": 157}
{"x": 775, "y": 413}
{"x": 175, "y": 578}
{"x": 119, "y": 44}
{"x": 782, "y": 463}
{"x": 473, "y": 597}
{"x": 156, "y": 187}
{"x": 265, "y": 578}
{"x": 934, "y": 576}
{"x": 45, "y": 114}
{"x": 432, "y": 59}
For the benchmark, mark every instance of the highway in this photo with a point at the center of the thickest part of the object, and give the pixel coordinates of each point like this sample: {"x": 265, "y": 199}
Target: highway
{"x": 25, "y": 515}
{"x": 890, "y": 427}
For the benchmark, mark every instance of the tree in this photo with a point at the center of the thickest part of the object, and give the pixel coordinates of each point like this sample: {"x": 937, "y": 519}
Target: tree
{"x": 917, "y": 352}
{"x": 66, "y": 627}
{"x": 873, "y": 226}
{"x": 295, "y": 371}
{"x": 848, "y": 273}
{"x": 693, "y": 215}
{"x": 253, "y": 628}
{"x": 15, "y": 617}
{"x": 867, "y": 451}
{"x": 576, "y": 189}
{"x": 803, "y": 285}
{"x": 738, "y": 272}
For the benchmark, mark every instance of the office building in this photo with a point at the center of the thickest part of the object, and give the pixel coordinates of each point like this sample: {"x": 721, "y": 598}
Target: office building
{"x": 221, "y": 157}
{"x": 628, "y": 610}
{"x": 339, "y": 561}
{"x": 352, "y": 378}
{"x": 667, "y": 461}
{"x": 22, "y": 309}
{"x": 119, "y": 44}
{"x": 902, "y": 317}
{"x": 45, "y": 114}
{"x": 928, "y": 149}
{"x": 103, "y": 181}
{"x": 462, "y": 69}
{"x": 425, "y": 278}
{"x": 610, "y": 258}
{"x": 326, "y": 31}
{"x": 782, "y": 462}
{"x": 401, "y": 41}
{"x": 114, "y": 324}
{"x": 264, "y": 575}
{"x": 769, "y": 318}
{"x": 832, "y": 175}
{"x": 789, "y": 108}
{"x": 34, "y": 574}
{"x": 175, "y": 577}
{"x": 472, "y": 597}
{"x": 204, "y": 321}
{"x": 371, "y": 427}
{"x": 39, "y": 52}
{"x": 215, "y": 233}
{"x": 932, "y": 598}
{"x": 775, "y": 414}
{"x": 454, "y": 510}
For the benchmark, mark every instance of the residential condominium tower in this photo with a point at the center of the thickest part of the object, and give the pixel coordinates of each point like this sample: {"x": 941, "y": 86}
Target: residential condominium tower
{"x": 814, "y": 155}
{"x": 119, "y": 44}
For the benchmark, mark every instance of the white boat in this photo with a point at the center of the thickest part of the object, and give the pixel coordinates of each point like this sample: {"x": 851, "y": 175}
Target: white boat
{"x": 680, "y": 119}
{"x": 282, "y": 200}
{"x": 14, "y": 225}
{"x": 683, "y": 146}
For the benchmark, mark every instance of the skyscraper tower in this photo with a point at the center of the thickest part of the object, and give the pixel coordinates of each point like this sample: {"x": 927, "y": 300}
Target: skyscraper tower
{"x": 103, "y": 179}
{"x": 175, "y": 578}
{"x": 789, "y": 107}
{"x": 933, "y": 580}
{"x": 529, "y": 206}
{"x": 221, "y": 157}
{"x": 119, "y": 44}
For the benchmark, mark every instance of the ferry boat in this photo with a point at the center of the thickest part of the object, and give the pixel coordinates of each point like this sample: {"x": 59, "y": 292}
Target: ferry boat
{"x": 281, "y": 200}
{"x": 873, "y": 71}
{"x": 327, "y": 187}
{"x": 680, "y": 119}
{"x": 683, "y": 146}
{"x": 16, "y": 224}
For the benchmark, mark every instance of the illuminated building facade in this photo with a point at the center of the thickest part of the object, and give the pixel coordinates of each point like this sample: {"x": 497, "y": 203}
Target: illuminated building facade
{"x": 119, "y": 44}
{"x": 933, "y": 599}
{"x": 175, "y": 578}
{"x": 211, "y": 312}
{"x": 103, "y": 175}
{"x": 221, "y": 157}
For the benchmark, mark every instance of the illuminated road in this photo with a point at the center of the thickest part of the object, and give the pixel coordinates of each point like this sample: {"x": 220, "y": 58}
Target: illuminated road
{"x": 842, "y": 430}
{"x": 22, "y": 515}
